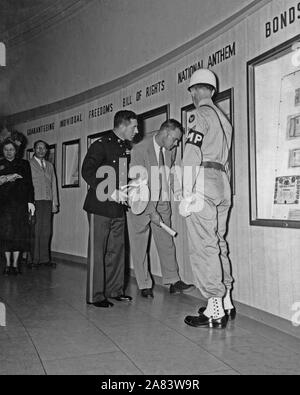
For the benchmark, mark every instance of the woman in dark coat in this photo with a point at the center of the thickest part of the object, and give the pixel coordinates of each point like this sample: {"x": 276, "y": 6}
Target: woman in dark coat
{"x": 16, "y": 202}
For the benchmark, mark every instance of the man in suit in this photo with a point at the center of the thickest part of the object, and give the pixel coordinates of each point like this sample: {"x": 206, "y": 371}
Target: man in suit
{"x": 46, "y": 202}
{"x": 105, "y": 170}
{"x": 156, "y": 151}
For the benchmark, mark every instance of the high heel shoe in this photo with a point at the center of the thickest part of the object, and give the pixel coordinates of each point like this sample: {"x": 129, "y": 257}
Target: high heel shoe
{"x": 6, "y": 271}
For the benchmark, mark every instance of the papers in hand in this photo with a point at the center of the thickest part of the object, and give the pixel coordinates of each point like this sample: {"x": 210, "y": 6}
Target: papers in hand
{"x": 136, "y": 194}
{"x": 169, "y": 230}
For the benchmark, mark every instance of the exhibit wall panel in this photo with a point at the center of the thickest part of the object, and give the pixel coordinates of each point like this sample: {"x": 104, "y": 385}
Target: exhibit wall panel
{"x": 274, "y": 253}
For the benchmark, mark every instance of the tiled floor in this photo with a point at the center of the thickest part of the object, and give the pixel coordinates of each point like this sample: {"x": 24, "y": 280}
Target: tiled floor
{"x": 50, "y": 330}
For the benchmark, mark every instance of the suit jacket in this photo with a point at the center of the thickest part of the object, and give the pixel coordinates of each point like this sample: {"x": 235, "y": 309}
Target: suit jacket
{"x": 143, "y": 154}
{"x": 44, "y": 181}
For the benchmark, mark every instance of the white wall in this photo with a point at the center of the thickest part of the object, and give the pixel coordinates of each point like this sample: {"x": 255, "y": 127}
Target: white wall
{"x": 105, "y": 40}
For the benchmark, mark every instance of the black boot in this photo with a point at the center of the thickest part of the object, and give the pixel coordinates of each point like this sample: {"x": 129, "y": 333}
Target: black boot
{"x": 231, "y": 314}
{"x": 202, "y": 321}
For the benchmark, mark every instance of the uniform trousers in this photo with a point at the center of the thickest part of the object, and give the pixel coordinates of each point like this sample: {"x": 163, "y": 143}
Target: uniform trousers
{"x": 140, "y": 227}
{"x": 106, "y": 258}
{"x": 206, "y": 235}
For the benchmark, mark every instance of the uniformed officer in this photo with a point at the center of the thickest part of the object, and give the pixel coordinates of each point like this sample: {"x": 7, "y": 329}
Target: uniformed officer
{"x": 207, "y": 149}
{"x": 105, "y": 170}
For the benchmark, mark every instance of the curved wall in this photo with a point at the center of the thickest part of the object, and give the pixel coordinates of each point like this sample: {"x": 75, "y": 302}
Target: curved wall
{"x": 104, "y": 40}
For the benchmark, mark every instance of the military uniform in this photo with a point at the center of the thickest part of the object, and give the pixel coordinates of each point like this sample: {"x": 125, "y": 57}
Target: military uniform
{"x": 106, "y": 255}
{"x": 208, "y": 146}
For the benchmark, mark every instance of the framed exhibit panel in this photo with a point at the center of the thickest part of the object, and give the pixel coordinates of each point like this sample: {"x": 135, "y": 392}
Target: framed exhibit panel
{"x": 71, "y": 164}
{"x": 151, "y": 121}
{"x": 51, "y": 156}
{"x": 94, "y": 137}
{"x": 274, "y": 137}
{"x": 29, "y": 154}
{"x": 225, "y": 101}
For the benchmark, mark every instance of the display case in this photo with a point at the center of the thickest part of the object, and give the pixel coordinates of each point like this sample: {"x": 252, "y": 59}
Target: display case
{"x": 71, "y": 164}
{"x": 94, "y": 137}
{"x": 29, "y": 154}
{"x": 151, "y": 121}
{"x": 274, "y": 136}
{"x": 51, "y": 155}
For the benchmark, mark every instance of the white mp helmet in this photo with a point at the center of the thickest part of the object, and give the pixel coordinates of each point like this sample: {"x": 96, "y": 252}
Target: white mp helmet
{"x": 203, "y": 77}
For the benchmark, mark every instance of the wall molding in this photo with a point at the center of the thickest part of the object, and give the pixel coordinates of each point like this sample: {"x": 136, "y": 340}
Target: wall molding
{"x": 142, "y": 72}
{"x": 249, "y": 313}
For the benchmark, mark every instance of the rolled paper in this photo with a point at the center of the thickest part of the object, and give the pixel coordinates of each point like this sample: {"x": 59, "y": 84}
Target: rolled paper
{"x": 171, "y": 232}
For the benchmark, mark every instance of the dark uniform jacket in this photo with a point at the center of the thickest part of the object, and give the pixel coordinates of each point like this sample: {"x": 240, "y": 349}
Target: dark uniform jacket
{"x": 106, "y": 152}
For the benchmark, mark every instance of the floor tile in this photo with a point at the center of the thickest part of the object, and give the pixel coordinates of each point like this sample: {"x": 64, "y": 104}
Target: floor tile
{"x": 51, "y": 329}
{"x": 64, "y": 344}
{"x": 102, "y": 364}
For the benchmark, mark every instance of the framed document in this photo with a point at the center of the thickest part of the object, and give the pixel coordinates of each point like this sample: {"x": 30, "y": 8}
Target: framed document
{"x": 51, "y": 156}
{"x": 287, "y": 190}
{"x": 297, "y": 97}
{"x": 294, "y": 157}
{"x": 151, "y": 120}
{"x": 274, "y": 132}
{"x": 29, "y": 154}
{"x": 94, "y": 137}
{"x": 71, "y": 164}
{"x": 225, "y": 101}
{"x": 293, "y": 126}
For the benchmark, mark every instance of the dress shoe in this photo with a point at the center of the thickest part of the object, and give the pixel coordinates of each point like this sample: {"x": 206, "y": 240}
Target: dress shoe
{"x": 36, "y": 265}
{"x": 202, "y": 321}
{"x": 105, "y": 304}
{"x": 147, "y": 293}
{"x": 123, "y": 298}
{"x": 50, "y": 264}
{"x": 231, "y": 314}
{"x": 6, "y": 271}
{"x": 180, "y": 287}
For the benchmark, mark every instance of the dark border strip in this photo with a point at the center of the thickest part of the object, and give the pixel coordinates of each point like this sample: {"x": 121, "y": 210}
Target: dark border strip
{"x": 130, "y": 78}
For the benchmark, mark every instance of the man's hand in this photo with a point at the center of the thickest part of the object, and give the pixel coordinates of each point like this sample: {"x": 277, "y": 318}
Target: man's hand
{"x": 155, "y": 218}
{"x": 31, "y": 209}
{"x": 184, "y": 208}
{"x": 54, "y": 208}
{"x": 119, "y": 196}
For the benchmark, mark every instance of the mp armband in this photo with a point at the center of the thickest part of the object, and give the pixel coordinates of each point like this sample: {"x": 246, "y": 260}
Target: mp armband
{"x": 195, "y": 138}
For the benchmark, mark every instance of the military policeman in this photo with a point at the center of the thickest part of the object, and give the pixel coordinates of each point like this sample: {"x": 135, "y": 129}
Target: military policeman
{"x": 105, "y": 171}
{"x": 207, "y": 149}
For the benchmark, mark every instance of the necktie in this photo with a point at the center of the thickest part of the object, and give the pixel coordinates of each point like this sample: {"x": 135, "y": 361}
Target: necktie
{"x": 43, "y": 164}
{"x": 164, "y": 187}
